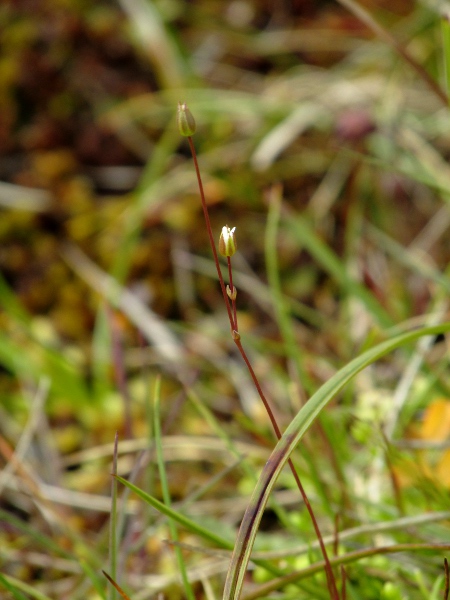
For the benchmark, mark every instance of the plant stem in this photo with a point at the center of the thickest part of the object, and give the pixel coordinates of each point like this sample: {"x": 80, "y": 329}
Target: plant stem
{"x": 384, "y": 34}
{"x": 209, "y": 229}
{"x": 165, "y": 488}
{"x": 331, "y": 581}
{"x": 113, "y": 542}
{"x": 328, "y": 570}
{"x": 233, "y": 301}
{"x": 445, "y": 28}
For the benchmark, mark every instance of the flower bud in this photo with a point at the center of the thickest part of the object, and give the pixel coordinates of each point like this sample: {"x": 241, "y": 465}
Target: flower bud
{"x": 227, "y": 242}
{"x": 232, "y": 295}
{"x": 185, "y": 120}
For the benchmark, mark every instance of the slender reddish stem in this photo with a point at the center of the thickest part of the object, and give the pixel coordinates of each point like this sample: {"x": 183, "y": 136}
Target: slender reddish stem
{"x": 210, "y": 234}
{"x": 344, "y": 581}
{"x": 233, "y": 300}
{"x": 328, "y": 570}
{"x": 237, "y": 340}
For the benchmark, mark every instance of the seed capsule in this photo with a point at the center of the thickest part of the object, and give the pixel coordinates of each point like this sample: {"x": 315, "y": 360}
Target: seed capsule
{"x": 185, "y": 120}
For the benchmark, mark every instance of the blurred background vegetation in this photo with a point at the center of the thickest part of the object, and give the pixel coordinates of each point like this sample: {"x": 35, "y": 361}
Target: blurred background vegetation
{"x": 345, "y": 107}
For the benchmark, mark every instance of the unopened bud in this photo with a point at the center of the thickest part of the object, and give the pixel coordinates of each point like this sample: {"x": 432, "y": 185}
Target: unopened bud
{"x": 227, "y": 241}
{"x": 231, "y": 294}
{"x": 185, "y": 120}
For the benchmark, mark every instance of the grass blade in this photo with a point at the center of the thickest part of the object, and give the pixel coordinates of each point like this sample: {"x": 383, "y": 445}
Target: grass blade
{"x": 445, "y": 28}
{"x": 165, "y": 488}
{"x": 50, "y": 546}
{"x": 344, "y": 559}
{"x": 189, "y": 524}
{"x": 113, "y": 523}
{"x": 281, "y": 308}
{"x": 323, "y": 254}
{"x": 364, "y": 15}
{"x": 292, "y": 436}
{"x": 11, "y": 588}
{"x": 14, "y": 586}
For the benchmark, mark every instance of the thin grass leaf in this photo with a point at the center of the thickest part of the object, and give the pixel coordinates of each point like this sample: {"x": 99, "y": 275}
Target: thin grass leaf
{"x": 157, "y": 41}
{"x": 11, "y": 304}
{"x": 15, "y": 586}
{"x": 165, "y": 487}
{"x": 402, "y": 169}
{"x": 50, "y": 546}
{"x": 146, "y": 198}
{"x": 113, "y": 542}
{"x": 409, "y": 259}
{"x": 219, "y": 430}
{"x": 370, "y": 530}
{"x": 189, "y": 524}
{"x": 292, "y": 436}
{"x": 280, "y": 306}
{"x": 151, "y": 325}
{"x": 344, "y": 559}
{"x": 94, "y": 577}
{"x": 445, "y": 29}
{"x": 101, "y": 353}
{"x": 364, "y": 15}
{"x": 17, "y": 594}
{"x": 323, "y": 254}
{"x": 192, "y": 526}
{"x": 151, "y": 469}
{"x": 42, "y": 361}
{"x": 11, "y": 358}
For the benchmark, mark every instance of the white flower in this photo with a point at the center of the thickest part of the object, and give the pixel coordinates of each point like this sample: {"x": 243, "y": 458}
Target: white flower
{"x": 227, "y": 241}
